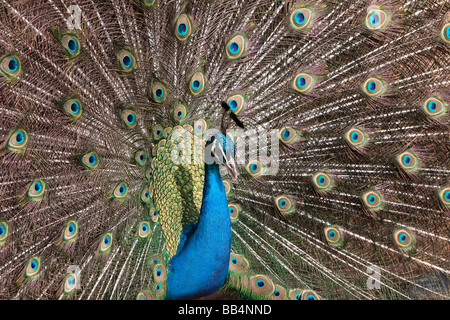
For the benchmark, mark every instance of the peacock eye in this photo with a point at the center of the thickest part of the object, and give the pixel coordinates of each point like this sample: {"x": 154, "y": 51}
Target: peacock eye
{"x": 90, "y": 160}
{"x": 444, "y": 196}
{"x": 183, "y": 27}
{"x": 261, "y": 285}
{"x": 159, "y": 273}
{"x": 407, "y": 161}
{"x": 18, "y": 140}
{"x": 376, "y": 19}
{"x": 149, "y": 3}
{"x": 309, "y": 295}
{"x": 3, "y": 231}
{"x": 236, "y": 103}
{"x": 255, "y": 168}
{"x": 144, "y": 229}
{"x": 234, "y": 210}
{"x": 197, "y": 83}
{"x": 236, "y": 47}
{"x": 70, "y": 283}
{"x": 374, "y": 87}
{"x": 71, "y": 230}
{"x": 32, "y": 268}
{"x": 200, "y": 126}
{"x": 356, "y": 138}
{"x": 404, "y": 239}
{"x": 120, "y": 191}
{"x": 303, "y": 82}
{"x": 322, "y": 181}
{"x": 71, "y": 45}
{"x": 106, "y": 243}
{"x": 334, "y": 236}
{"x": 145, "y": 195}
{"x": 154, "y": 214}
{"x": 158, "y": 92}
{"x": 36, "y": 189}
{"x": 180, "y": 113}
{"x": 157, "y": 132}
{"x": 127, "y": 60}
{"x": 140, "y": 157}
{"x": 445, "y": 34}
{"x": 10, "y": 66}
{"x": 73, "y": 109}
{"x": 301, "y": 18}
{"x": 372, "y": 200}
{"x": 434, "y": 107}
{"x": 289, "y": 135}
{"x": 285, "y": 204}
{"x": 129, "y": 118}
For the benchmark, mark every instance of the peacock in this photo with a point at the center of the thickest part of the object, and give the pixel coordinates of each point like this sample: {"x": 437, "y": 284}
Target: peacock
{"x": 224, "y": 149}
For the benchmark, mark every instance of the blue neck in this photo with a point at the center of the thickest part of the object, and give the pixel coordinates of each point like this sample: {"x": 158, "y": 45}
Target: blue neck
{"x": 201, "y": 266}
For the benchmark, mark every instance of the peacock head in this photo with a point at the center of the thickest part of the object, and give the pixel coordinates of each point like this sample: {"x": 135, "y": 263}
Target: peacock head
{"x": 220, "y": 149}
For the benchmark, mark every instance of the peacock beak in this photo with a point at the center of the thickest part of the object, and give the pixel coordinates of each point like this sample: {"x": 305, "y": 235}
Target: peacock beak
{"x": 230, "y": 164}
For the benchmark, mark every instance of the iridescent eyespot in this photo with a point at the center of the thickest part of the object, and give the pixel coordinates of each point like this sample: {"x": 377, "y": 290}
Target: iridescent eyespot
{"x": 149, "y": 174}
{"x": 261, "y": 285}
{"x": 146, "y": 195}
{"x": 73, "y": 108}
{"x": 10, "y": 66}
{"x": 408, "y": 161}
{"x": 303, "y": 82}
{"x": 334, "y": 236}
{"x": 183, "y": 27}
{"x": 197, "y": 83}
{"x": 404, "y": 239}
{"x": 285, "y": 204}
{"x": 140, "y": 157}
{"x": 90, "y": 160}
{"x": 289, "y": 135}
{"x": 70, "y": 231}
{"x": 149, "y": 3}
{"x": 310, "y": 295}
{"x": 144, "y": 229}
{"x": 301, "y": 18}
{"x": 200, "y": 126}
{"x": 167, "y": 131}
{"x": 236, "y": 47}
{"x": 372, "y": 200}
{"x": 445, "y": 33}
{"x": 126, "y": 60}
{"x": 322, "y": 181}
{"x": 154, "y": 214}
{"x": 279, "y": 293}
{"x": 255, "y": 168}
{"x": 234, "y": 210}
{"x": 180, "y": 113}
{"x": 120, "y": 191}
{"x": 236, "y": 103}
{"x": 376, "y": 19}
{"x": 32, "y": 267}
{"x": 142, "y": 295}
{"x": 18, "y": 140}
{"x": 159, "y": 92}
{"x": 71, "y": 45}
{"x": 228, "y": 187}
{"x": 374, "y": 87}
{"x": 434, "y": 107}
{"x": 356, "y": 138}
{"x": 444, "y": 196}
{"x": 157, "y": 132}
{"x": 238, "y": 264}
{"x": 36, "y": 189}
{"x": 155, "y": 260}
{"x": 129, "y": 117}
{"x": 70, "y": 283}
{"x": 106, "y": 242}
{"x": 3, "y": 232}
{"x": 159, "y": 273}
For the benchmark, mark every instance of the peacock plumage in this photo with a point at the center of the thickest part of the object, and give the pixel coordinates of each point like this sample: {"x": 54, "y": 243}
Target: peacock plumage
{"x": 268, "y": 149}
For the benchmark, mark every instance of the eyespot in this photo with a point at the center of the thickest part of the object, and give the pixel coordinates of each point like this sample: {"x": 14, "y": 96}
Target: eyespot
{"x": 236, "y": 47}
{"x": 144, "y": 229}
{"x": 279, "y": 293}
{"x": 18, "y": 140}
{"x": 295, "y": 294}
{"x": 238, "y": 264}
{"x": 70, "y": 283}
{"x": 372, "y": 200}
{"x": 71, "y": 45}
{"x": 434, "y": 107}
{"x": 154, "y": 214}
{"x": 73, "y": 108}
{"x": 106, "y": 242}
{"x": 71, "y": 230}
{"x": 285, "y": 204}
{"x": 157, "y": 132}
{"x": 10, "y": 66}
{"x": 234, "y": 210}
{"x": 303, "y": 82}
{"x": 228, "y": 187}
{"x": 120, "y": 191}
{"x": 159, "y": 273}
{"x": 36, "y": 189}
{"x": 404, "y": 239}
{"x": 301, "y": 18}
{"x": 236, "y": 103}
{"x": 356, "y": 138}
{"x": 255, "y": 168}
{"x": 129, "y": 117}
{"x": 200, "y": 126}
{"x": 289, "y": 135}
{"x": 90, "y": 160}
{"x": 444, "y": 196}
{"x": 180, "y": 113}
{"x": 3, "y": 232}
{"x": 374, "y": 87}
{"x": 322, "y": 181}
{"x": 407, "y": 161}
{"x": 310, "y": 295}
{"x": 261, "y": 285}
{"x": 183, "y": 27}
{"x": 334, "y": 236}
{"x": 126, "y": 60}
{"x": 140, "y": 157}
{"x": 146, "y": 195}
{"x": 149, "y": 174}
{"x": 159, "y": 92}
{"x": 197, "y": 83}
{"x": 149, "y": 3}
{"x": 445, "y": 34}
{"x": 376, "y": 19}
{"x": 167, "y": 131}
{"x": 32, "y": 267}
{"x": 142, "y": 295}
